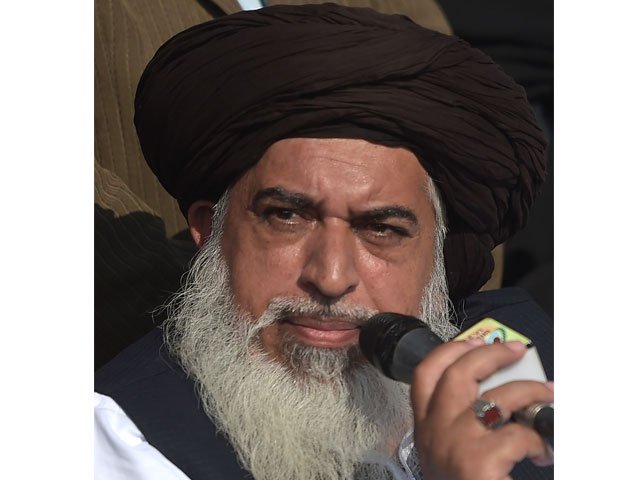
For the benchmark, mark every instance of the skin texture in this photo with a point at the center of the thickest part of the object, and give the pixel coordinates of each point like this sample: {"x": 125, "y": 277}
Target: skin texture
{"x": 335, "y": 220}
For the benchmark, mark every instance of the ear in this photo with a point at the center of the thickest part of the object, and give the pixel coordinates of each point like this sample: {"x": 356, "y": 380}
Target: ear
{"x": 199, "y": 217}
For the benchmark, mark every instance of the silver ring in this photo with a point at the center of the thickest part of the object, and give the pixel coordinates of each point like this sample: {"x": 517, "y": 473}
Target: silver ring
{"x": 489, "y": 414}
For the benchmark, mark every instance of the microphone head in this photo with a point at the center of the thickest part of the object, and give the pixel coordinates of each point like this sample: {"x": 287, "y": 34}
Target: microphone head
{"x": 380, "y": 335}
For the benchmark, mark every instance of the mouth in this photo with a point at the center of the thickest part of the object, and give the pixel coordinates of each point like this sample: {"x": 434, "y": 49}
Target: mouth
{"x": 322, "y": 332}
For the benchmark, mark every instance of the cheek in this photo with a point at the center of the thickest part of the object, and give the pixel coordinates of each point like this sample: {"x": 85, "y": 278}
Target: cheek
{"x": 259, "y": 272}
{"x": 398, "y": 287}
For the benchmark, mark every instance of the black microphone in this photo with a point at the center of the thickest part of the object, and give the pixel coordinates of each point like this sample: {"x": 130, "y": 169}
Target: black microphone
{"x": 396, "y": 343}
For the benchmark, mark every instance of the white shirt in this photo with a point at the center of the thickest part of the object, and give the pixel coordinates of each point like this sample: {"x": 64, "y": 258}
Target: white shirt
{"x": 122, "y": 453}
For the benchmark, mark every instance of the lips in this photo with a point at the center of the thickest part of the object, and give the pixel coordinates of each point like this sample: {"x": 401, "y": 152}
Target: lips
{"x": 324, "y": 333}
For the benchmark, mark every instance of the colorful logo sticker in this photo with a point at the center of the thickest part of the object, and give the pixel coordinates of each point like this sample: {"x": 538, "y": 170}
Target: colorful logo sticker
{"x": 492, "y": 331}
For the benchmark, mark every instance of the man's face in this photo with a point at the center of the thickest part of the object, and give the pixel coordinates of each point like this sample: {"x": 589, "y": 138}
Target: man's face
{"x": 338, "y": 221}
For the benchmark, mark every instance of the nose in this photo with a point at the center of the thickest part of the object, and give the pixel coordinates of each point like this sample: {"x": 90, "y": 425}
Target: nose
{"x": 330, "y": 267}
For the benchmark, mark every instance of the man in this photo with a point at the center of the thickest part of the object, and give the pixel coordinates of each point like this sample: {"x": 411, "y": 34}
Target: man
{"x": 318, "y": 167}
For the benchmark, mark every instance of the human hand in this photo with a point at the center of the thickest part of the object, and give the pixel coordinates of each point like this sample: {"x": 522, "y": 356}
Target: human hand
{"x": 452, "y": 443}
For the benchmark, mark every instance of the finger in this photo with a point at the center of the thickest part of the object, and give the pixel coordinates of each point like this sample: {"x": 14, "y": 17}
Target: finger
{"x": 513, "y": 442}
{"x": 517, "y": 395}
{"x": 483, "y": 362}
{"x": 458, "y": 386}
{"x": 428, "y": 372}
{"x": 545, "y": 460}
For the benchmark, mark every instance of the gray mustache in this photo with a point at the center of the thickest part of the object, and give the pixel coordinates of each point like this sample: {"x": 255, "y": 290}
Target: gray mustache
{"x": 281, "y": 308}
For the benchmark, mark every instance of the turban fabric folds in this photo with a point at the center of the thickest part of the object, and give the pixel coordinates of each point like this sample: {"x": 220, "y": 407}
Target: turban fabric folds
{"x": 216, "y": 96}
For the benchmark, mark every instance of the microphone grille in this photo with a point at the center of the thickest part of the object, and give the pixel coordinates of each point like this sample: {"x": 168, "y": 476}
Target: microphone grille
{"x": 380, "y": 335}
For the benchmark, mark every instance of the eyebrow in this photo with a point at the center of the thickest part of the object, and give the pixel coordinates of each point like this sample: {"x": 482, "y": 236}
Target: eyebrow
{"x": 278, "y": 193}
{"x": 392, "y": 211}
{"x": 302, "y": 201}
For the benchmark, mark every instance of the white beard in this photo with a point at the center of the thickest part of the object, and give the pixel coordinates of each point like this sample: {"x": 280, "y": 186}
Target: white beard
{"x": 324, "y": 414}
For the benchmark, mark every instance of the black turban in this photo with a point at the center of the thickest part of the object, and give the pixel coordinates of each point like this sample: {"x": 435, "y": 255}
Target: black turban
{"x": 216, "y": 96}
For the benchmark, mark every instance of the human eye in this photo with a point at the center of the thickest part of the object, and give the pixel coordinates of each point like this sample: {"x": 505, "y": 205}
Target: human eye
{"x": 384, "y": 233}
{"x": 280, "y": 214}
{"x": 283, "y": 218}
